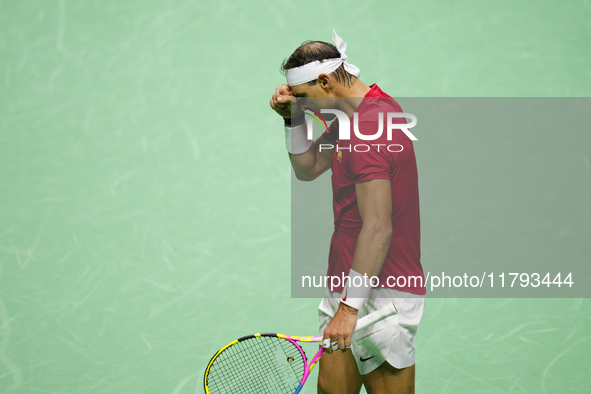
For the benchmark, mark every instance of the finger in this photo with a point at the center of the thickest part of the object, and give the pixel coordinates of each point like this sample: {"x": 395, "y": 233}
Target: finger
{"x": 284, "y": 93}
{"x": 334, "y": 342}
{"x": 326, "y": 339}
{"x": 276, "y": 105}
{"x": 279, "y": 93}
{"x": 285, "y": 98}
{"x": 347, "y": 343}
{"x": 334, "y": 346}
{"x": 285, "y": 90}
{"x": 326, "y": 345}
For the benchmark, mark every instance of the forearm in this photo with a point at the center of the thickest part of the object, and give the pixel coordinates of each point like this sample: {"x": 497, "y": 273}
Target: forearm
{"x": 308, "y": 158}
{"x": 309, "y": 165}
{"x": 371, "y": 249}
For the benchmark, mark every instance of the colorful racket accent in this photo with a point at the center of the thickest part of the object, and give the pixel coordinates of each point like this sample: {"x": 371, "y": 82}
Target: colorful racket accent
{"x": 319, "y": 353}
{"x": 269, "y": 363}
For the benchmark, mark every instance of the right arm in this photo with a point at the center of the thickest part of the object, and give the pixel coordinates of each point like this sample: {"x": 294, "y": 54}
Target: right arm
{"x": 311, "y": 164}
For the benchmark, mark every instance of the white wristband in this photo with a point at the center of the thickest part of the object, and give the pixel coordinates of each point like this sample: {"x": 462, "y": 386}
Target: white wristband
{"x": 356, "y": 290}
{"x": 296, "y": 139}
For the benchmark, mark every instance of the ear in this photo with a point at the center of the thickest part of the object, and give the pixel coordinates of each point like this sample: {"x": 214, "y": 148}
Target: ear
{"x": 325, "y": 82}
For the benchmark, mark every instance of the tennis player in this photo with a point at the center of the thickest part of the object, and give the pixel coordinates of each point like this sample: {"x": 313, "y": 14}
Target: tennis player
{"x": 376, "y": 208}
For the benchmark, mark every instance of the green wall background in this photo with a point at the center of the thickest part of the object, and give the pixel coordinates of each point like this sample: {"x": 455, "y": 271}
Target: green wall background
{"x": 145, "y": 190}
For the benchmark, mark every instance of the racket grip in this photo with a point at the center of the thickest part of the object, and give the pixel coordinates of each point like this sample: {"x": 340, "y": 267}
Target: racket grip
{"x": 375, "y": 317}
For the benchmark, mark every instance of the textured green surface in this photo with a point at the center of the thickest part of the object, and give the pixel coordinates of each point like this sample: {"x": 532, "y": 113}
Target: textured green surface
{"x": 144, "y": 188}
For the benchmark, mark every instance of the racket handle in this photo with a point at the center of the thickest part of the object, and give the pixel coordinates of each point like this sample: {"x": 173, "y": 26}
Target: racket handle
{"x": 375, "y": 317}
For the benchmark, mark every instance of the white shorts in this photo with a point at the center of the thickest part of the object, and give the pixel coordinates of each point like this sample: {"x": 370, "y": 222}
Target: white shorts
{"x": 391, "y": 339}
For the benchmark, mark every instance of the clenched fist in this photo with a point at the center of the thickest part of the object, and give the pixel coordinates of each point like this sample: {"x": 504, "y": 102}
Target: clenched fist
{"x": 285, "y": 103}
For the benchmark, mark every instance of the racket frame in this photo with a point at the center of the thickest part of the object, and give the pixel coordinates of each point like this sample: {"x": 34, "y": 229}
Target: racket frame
{"x": 362, "y": 323}
{"x": 290, "y": 338}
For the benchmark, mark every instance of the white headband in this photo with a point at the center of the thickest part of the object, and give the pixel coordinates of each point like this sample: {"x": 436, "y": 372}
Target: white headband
{"x": 311, "y": 71}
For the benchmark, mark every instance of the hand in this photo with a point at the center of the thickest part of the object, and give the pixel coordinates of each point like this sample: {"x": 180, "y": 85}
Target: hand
{"x": 285, "y": 103}
{"x": 340, "y": 328}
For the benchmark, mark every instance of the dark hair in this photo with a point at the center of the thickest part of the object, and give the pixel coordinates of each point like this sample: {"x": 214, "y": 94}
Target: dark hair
{"x": 311, "y": 51}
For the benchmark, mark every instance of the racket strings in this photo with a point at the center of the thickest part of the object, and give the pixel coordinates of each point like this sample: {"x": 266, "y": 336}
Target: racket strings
{"x": 257, "y": 365}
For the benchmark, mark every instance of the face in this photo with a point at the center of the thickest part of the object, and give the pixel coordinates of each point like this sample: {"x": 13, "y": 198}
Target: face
{"x": 316, "y": 97}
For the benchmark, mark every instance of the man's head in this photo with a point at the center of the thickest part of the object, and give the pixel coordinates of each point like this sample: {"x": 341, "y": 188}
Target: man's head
{"x": 320, "y": 72}
{"x": 313, "y": 51}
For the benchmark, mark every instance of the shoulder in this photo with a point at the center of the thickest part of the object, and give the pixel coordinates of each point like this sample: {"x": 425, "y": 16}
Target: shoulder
{"x": 377, "y": 101}
{"x": 376, "y": 105}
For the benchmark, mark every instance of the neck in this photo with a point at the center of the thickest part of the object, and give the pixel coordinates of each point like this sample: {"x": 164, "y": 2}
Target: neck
{"x": 353, "y": 96}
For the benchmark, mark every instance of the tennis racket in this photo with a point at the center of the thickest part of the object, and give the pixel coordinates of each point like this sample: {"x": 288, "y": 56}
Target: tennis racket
{"x": 269, "y": 363}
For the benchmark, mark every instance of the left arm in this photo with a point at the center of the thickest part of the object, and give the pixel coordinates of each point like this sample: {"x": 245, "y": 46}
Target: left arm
{"x": 374, "y": 199}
